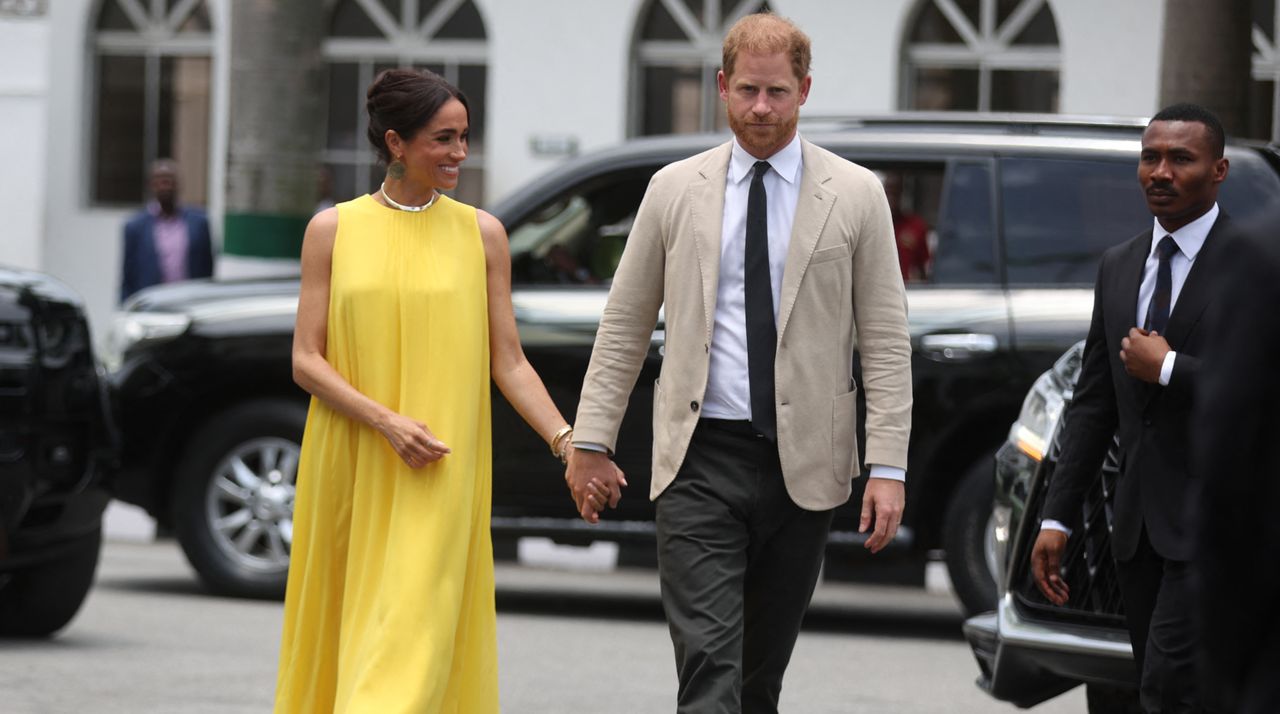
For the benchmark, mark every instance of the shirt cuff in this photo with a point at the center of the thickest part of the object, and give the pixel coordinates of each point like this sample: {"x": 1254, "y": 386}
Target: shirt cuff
{"x": 590, "y": 446}
{"x": 1049, "y": 524}
{"x": 893, "y": 473}
{"x": 1166, "y": 369}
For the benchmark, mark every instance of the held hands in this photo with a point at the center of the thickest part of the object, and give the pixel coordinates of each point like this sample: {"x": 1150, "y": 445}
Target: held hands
{"x": 594, "y": 482}
{"x": 1143, "y": 354}
{"x": 1046, "y": 565}
{"x": 412, "y": 440}
{"x": 883, "y": 500}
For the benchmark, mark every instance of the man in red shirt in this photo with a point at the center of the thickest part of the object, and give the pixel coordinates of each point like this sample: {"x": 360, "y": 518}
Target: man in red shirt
{"x": 911, "y": 231}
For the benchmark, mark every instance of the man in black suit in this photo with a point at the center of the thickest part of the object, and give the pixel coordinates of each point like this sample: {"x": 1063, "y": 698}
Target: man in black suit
{"x": 1236, "y": 423}
{"x": 1141, "y": 361}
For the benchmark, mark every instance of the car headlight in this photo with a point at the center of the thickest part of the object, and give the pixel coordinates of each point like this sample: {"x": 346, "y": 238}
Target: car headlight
{"x": 1040, "y": 412}
{"x": 130, "y": 329}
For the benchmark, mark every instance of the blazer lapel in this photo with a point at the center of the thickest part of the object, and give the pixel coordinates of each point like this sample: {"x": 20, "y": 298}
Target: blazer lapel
{"x": 1124, "y": 306}
{"x": 706, "y": 206}
{"x": 813, "y": 206}
{"x": 1130, "y": 277}
{"x": 1194, "y": 296}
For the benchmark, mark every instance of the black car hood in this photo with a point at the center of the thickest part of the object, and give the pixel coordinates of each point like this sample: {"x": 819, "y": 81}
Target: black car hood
{"x": 41, "y": 285}
{"x": 181, "y": 297}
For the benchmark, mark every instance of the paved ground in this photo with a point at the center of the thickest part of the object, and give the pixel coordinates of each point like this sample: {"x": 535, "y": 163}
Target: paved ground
{"x": 150, "y": 640}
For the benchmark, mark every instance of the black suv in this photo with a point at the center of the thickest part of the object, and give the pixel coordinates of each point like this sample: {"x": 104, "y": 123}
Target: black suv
{"x": 1015, "y": 212}
{"x": 1028, "y": 649}
{"x": 56, "y": 448}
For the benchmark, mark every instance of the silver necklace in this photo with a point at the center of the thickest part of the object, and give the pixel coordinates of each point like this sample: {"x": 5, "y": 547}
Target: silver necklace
{"x": 401, "y": 206}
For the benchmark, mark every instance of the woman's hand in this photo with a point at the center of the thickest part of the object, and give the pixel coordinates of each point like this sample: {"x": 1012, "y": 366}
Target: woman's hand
{"x": 413, "y": 441}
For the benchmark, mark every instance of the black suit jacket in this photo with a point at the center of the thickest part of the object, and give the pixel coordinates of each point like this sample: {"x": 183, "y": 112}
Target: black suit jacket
{"x": 1235, "y": 457}
{"x": 1151, "y": 420}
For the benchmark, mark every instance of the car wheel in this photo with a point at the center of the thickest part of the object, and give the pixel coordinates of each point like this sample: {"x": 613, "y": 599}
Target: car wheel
{"x": 233, "y": 503}
{"x": 40, "y": 600}
{"x": 1112, "y": 700}
{"x": 968, "y": 536}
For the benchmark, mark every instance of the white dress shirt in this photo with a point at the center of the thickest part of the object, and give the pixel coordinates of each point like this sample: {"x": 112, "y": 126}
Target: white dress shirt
{"x": 1190, "y": 239}
{"x": 728, "y": 393}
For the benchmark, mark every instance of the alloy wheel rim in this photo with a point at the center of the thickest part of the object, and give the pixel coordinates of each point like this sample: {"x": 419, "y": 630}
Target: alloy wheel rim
{"x": 249, "y": 503}
{"x": 990, "y": 551}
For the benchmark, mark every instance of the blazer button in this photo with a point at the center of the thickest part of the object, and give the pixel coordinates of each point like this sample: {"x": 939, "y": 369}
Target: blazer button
{"x": 1146, "y": 422}
{"x": 693, "y": 406}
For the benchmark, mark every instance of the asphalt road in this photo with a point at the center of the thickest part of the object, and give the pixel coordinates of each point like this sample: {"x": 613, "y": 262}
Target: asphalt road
{"x": 151, "y": 640}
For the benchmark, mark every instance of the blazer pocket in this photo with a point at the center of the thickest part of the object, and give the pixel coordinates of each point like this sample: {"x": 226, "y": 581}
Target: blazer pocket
{"x": 835, "y": 252}
{"x": 844, "y": 436}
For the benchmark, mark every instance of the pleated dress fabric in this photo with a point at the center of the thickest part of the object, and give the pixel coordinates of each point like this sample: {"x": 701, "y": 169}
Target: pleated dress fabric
{"x": 390, "y": 600}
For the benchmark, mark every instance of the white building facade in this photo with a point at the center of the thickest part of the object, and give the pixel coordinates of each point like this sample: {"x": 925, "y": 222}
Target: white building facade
{"x": 91, "y": 90}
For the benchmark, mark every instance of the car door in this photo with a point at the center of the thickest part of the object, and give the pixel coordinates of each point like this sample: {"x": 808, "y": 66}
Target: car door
{"x": 564, "y": 253}
{"x": 957, "y": 315}
{"x": 1059, "y": 214}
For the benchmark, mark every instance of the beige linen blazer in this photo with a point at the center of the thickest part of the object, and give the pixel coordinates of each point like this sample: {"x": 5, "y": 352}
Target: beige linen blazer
{"x": 841, "y": 288}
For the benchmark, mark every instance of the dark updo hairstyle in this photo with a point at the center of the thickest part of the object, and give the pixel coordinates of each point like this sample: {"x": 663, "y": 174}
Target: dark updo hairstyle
{"x": 406, "y": 100}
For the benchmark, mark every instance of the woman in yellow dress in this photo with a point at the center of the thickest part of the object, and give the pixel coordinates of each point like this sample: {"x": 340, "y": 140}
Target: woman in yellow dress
{"x": 403, "y": 317}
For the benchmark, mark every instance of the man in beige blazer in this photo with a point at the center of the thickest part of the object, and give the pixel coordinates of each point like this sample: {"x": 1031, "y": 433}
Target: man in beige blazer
{"x": 772, "y": 257}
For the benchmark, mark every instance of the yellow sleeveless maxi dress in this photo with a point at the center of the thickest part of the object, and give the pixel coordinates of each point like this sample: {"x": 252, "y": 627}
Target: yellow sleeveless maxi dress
{"x": 390, "y": 602}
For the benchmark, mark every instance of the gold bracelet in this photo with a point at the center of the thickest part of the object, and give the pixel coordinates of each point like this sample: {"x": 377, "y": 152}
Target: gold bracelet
{"x": 557, "y": 437}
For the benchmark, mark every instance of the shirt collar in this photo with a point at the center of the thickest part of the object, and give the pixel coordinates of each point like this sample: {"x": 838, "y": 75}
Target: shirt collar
{"x": 153, "y": 207}
{"x": 786, "y": 161}
{"x": 1190, "y": 238}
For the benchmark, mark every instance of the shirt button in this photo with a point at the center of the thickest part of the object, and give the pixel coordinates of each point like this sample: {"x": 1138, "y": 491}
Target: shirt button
{"x": 693, "y": 406}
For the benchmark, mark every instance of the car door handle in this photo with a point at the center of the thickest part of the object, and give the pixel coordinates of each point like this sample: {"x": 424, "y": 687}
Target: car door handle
{"x": 957, "y": 347}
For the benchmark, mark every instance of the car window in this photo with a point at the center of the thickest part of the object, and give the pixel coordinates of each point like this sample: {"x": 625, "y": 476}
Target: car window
{"x": 1060, "y": 215}
{"x": 577, "y": 237}
{"x": 965, "y": 252}
{"x": 914, "y": 192}
{"x": 1251, "y": 193}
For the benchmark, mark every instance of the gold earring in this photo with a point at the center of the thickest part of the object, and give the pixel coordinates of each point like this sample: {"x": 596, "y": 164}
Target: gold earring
{"x": 396, "y": 169}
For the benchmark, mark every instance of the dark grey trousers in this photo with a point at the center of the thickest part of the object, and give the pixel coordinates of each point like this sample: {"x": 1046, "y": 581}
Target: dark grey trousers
{"x": 1157, "y": 604}
{"x": 738, "y": 560}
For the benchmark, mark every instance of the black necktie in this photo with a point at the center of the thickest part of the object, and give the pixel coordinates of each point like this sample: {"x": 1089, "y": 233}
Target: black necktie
{"x": 762, "y": 334}
{"x": 1158, "y": 310}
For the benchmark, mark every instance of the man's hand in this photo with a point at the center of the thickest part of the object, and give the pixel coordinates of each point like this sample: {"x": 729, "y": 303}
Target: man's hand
{"x": 883, "y": 500}
{"x": 594, "y": 482}
{"x": 1046, "y": 562}
{"x": 1143, "y": 354}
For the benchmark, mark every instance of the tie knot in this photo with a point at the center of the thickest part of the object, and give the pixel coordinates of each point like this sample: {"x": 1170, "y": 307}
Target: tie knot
{"x": 762, "y": 168}
{"x": 1166, "y": 248}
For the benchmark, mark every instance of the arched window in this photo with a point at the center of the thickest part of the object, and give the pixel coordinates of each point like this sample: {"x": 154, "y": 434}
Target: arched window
{"x": 152, "y": 74}
{"x": 368, "y": 36}
{"x": 1266, "y": 71}
{"x": 678, "y": 46}
{"x": 982, "y": 55}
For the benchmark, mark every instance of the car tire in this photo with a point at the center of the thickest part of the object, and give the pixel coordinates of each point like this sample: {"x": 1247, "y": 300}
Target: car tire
{"x": 40, "y": 600}
{"x": 1104, "y": 699}
{"x": 969, "y": 539}
{"x": 233, "y": 501}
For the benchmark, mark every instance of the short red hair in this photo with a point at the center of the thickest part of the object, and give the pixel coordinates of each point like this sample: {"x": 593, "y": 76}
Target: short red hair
{"x": 766, "y": 33}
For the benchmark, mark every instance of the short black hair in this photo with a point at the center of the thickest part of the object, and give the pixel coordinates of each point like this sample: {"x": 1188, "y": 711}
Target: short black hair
{"x": 1194, "y": 112}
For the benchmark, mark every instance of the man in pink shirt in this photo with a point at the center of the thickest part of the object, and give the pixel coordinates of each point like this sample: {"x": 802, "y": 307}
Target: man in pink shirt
{"x": 165, "y": 242}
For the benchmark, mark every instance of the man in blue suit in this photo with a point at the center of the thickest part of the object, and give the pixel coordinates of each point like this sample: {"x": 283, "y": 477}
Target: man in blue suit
{"x": 165, "y": 242}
